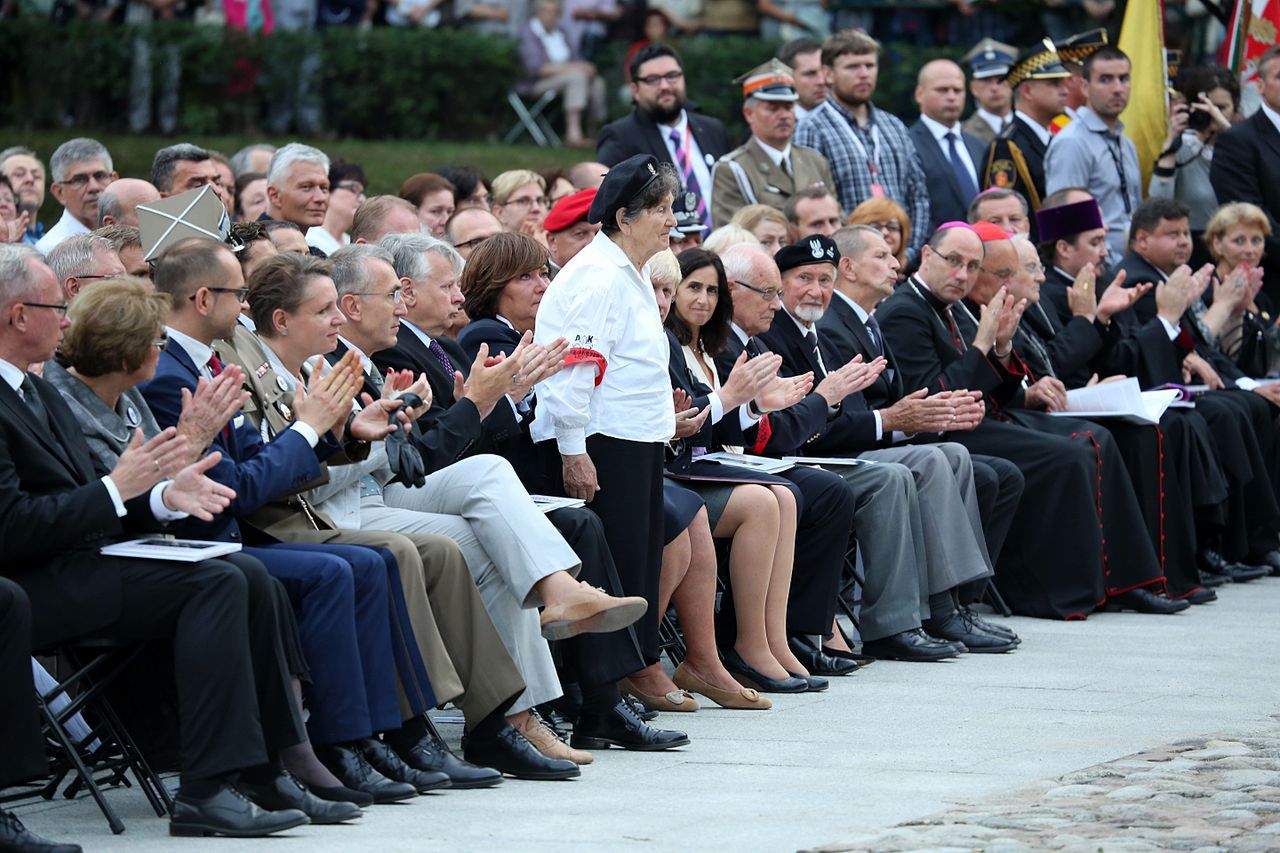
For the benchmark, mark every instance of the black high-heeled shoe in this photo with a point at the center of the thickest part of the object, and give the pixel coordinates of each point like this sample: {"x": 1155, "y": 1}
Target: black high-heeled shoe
{"x": 751, "y": 677}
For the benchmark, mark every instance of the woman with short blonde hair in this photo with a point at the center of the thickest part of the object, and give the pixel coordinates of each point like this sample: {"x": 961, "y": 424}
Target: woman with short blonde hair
{"x": 1242, "y": 316}
{"x": 520, "y": 202}
{"x": 768, "y": 224}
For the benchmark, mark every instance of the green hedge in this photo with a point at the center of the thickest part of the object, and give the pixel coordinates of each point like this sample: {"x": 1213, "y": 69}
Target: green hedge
{"x": 384, "y": 83}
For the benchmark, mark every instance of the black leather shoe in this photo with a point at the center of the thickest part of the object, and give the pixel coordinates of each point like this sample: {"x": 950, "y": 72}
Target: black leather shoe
{"x": 958, "y": 628}
{"x": 1144, "y": 601}
{"x": 749, "y": 676}
{"x": 621, "y": 727}
{"x": 640, "y": 709}
{"x": 1214, "y": 563}
{"x": 340, "y": 794}
{"x": 813, "y": 683}
{"x": 432, "y": 755}
{"x": 355, "y": 772}
{"x": 385, "y": 761}
{"x": 818, "y": 661}
{"x": 990, "y": 627}
{"x": 1270, "y": 560}
{"x": 1211, "y": 561}
{"x": 286, "y": 792}
{"x": 1211, "y": 580}
{"x": 16, "y": 837}
{"x": 840, "y": 654}
{"x": 510, "y": 753}
{"x": 1200, "y": 595}
{"x": 229, "y": 813}
{"x": 912, "y": 645}
{"x": 1240, "y": 573}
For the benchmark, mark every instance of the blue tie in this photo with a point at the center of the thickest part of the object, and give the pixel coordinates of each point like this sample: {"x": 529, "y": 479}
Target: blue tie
{"x": 968, "y": 188}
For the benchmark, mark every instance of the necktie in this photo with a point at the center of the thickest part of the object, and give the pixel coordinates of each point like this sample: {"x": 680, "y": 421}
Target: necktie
{"x": 812, "y": 338}
{"x": 968, "y": 188}
{"x": 873, "y": 329}
{"x": 786, "y": 166}
{"x": 375, "y": 378}
{"x": 442, "y": 357}
{"x": 32, "y": 398}
{"x": 215, "y": 366}
{"x": 684, "y": 159}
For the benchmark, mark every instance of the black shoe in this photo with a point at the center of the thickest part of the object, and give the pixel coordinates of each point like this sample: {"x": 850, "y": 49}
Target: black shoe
{"x": 339, "y": 794}
{"x": 1200, "y": 595}
{"x": 16, "y": 837}
{"x": 354, "y": 771}
{"x": 1211, "y": 580}
{"x": 229, "y": 813}
{"x": 385, "y": 761}
{"x": 813, "y": 683}
{"x": 819, "y": 661}
{"x": 958, "y": 628}
{"x": 1240, "y": 573}
{"x": 432, "y": 755}
{"x": 286, "y": 792}
{"x": 620, "y": 726}
{"x": 640, "y": 709}
{"x": 748, "y": 676}
{"x": 511, "y": 754}
{"x": 561, "y": 726}
{"x": 912, "y": 645}
{"x": 1214, "y": 563}
{"x": 840, "y": 654}
{"x": 1144, "y": 601}
{"x": 990, "y": 627}
{"x": 1211, "y": 561}
{"x": 1270, "y": 560}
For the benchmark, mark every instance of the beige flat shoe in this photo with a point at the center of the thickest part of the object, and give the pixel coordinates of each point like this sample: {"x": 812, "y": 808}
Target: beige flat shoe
{"x": 676, "y": 700}
{"x": 545, "y": 741}
{"x": 746, "y": 699}
{"x": 590, "y": 611}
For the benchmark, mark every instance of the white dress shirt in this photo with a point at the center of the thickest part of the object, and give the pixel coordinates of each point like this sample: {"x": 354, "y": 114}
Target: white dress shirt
{"x": 940, "y": 131}
{"x": 779, "y": 157}
{"x": 995, "y": 122}
{"x": 321, "y": 239}
{"x": 601, "y": 302}
{"x": 67, "y": 226}
{"x": 1272, "y": 114}
{"x": 1044, "y": 133}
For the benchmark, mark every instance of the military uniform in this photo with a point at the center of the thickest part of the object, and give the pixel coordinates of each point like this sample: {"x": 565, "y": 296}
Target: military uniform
{"x": 748, "y": 175}
{"x": 986, "y": 59}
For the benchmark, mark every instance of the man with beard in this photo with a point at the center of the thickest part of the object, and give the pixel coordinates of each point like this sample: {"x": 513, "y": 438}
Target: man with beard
{"x": 661, "y": 126}
{"x": 767, "y": 169}
{"x": 870, "y": 152}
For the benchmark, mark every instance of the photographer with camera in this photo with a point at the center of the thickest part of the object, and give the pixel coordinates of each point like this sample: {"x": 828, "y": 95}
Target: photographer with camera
{"x": 1208, "y": 102}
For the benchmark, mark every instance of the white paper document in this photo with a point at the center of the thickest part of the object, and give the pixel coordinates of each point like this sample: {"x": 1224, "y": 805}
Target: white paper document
{"x": 164, "y": 548}
{"x": 1124, "y": 399}
{"x": 547, "y": 503}
{"x": 763, "y": 464}
{"x": 825, "y": 460}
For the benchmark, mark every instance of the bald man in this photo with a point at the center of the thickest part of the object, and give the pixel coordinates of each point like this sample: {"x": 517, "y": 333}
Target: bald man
{"x": 118, "y": 204}
{"x": 951, "y": 158}
{"x": 588, "y": 175}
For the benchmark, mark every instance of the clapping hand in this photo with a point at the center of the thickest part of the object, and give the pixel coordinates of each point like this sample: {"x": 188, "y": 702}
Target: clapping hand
{"x": 689, "y": 419}
{"x": 325, "y": 401}
{"x": 1117, "y": 297}
{"x": 195, "y": 494}
{"x": 1081, "y": 295}
{"x": 206, "y": 412}
{"x": 782, "y": 392}
{"x": 539, "y": 363}
{"x": 142, "y": 465}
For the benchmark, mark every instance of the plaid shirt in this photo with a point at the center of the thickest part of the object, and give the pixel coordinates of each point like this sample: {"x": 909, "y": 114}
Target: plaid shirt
{"x": 826, "y": 128}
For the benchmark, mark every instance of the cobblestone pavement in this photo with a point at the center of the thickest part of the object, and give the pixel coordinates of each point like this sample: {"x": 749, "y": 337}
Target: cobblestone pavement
{"x": 1217, "y": 794}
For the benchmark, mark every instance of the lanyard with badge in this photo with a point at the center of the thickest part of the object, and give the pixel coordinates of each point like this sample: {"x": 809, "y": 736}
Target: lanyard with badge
{"x": 1117, "y": 157}
{"x": 872, "y": 159}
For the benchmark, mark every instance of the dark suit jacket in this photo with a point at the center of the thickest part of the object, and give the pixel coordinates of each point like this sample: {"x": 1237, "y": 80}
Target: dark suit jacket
{"x": 1246, "y": 167}
{"x": 636, "y": 133}
{"x": 55, "y": 513}
{"x": 1142, "y": 317}
{"x": 782, "y": 433}
{"x": 848, "y": 336}
{"x": 946, "y": 201}
{"x": 1033, "y": 150}
{"x": 259, "y": 472}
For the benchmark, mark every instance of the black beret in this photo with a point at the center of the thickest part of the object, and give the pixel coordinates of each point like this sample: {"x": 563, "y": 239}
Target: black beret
{"x": 624, "y": 182}
{"x": 815, "y": 249}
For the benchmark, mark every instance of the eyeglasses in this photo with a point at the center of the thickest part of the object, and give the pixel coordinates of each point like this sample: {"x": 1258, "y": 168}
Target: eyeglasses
{"x": 82, "y": 181}
{"x": 540, "y": 201}
{"x": 85, "y": 277}
{"x": 396, "y": 295}
{"x": 352, "y": 187}
{"x": 161, "y": 342}
{"x": 769, "y": 294}
{"x": 1000, "y": 275}
{"x": 472, "y": 243}
{"x": 956, "y": 262}
{"x": 59, "y": 307}
{"x": 888, "y": 225}
{"x": 655, "y": 79}
{"x": 242, "y": 293}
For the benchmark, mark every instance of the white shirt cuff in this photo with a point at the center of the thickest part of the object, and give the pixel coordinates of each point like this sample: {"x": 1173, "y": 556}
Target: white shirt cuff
{"x": 1247, "y": 383}
{"x": 879, "y": 425}
{"x": 717, "y": 408}
{"x": 572, "y": 442}
{"x": 1170, "y": 329}
{"x": 746, "y": 420}
{"x": 158, "y": 509}
{"x": 312, "y": 437}
{"x": 899, "y": 436}
{"x": 121, "y": 512}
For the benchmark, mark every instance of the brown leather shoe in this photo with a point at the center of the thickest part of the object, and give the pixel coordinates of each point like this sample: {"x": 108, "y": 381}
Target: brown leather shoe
{"x": 745, "y": 699}
{"x": 590, "y": 611}
{"x": 676, "y": 700}
{"x": 545, "y": 741}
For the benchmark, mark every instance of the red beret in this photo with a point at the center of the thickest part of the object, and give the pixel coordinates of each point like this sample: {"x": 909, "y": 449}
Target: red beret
{"x": 569, "y": 210}
{"x": 988, "y": 231}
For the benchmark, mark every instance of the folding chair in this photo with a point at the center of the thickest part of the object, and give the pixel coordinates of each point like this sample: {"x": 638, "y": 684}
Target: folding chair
{"x": 531, "y": 119}
{"x": 108, "y": 751}
{"x": 670, "y": 640}
{"x": 853, "y": 578}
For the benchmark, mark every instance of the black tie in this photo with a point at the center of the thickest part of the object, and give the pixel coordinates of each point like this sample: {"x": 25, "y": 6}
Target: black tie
{"x": 32, "y": 398}
{"x": 873, "y": 330}
{"x": 812, "y": 337}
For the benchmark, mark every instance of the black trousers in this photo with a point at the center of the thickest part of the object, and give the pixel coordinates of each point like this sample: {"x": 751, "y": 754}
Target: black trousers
{"x": 234, "y": 695}
{"x": 1000, "y": 485}
{"x": 629, "y": 505}
{"x": 597, "y": 658}
{"x": 823, "y": 526}
{"x": 21, "y": 746}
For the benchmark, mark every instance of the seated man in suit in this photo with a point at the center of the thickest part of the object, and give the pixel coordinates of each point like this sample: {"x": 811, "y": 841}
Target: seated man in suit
{"x": 767, "y": 168}
{"x": 952, "y": 159}
{"x": 866, "y": 275}
{"x": 59, "y": 508}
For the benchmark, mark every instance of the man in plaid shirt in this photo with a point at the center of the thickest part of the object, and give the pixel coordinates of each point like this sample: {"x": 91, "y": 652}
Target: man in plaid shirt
{"x": 870, "y": 152}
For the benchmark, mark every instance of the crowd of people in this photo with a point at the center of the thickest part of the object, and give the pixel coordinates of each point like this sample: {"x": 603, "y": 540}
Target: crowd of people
{"x": 477, "y": 442}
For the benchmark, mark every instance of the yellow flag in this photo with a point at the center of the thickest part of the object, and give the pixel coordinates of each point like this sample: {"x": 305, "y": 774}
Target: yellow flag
{"x": 1146, "y": 119}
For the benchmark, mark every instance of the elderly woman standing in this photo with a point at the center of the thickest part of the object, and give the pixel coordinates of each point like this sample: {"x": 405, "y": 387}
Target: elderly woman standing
{"x": 610, "y": 410}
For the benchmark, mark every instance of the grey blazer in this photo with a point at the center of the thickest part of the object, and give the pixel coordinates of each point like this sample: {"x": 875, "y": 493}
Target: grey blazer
{"x": 107, "y": 431}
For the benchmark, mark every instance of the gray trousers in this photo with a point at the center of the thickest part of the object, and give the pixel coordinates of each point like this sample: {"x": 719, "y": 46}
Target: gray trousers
{"x": 954, "y": 544}
{"x": 509, "y": 546}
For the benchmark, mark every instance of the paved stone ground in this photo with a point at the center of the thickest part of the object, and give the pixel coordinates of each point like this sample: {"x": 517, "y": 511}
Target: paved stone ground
{"x": 847, "y": 768}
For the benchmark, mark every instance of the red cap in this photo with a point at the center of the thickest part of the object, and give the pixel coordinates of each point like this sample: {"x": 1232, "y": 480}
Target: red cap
{"x": 989, "y": 231}
{"x": 569, "y": 210}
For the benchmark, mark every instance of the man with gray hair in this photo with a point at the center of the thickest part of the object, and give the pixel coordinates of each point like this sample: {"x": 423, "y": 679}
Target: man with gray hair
{"x": 298, "y": 186}
{"x": 181, "y": 167}
{"x": 26, "y": 175}
{"x": 83, "y": 260}
{"x": 81, "y": 170}
{"x": 118, "y": 204}
{"x": 252, "y": 158}
{"x": 1003, "y": 207}
{"x": 127, "y": 241}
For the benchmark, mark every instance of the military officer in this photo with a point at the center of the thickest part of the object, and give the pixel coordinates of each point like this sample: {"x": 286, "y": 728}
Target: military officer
{"x": 989, "y": 62}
